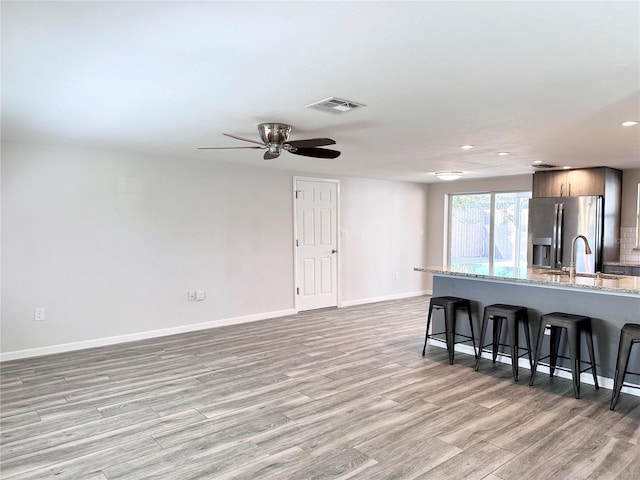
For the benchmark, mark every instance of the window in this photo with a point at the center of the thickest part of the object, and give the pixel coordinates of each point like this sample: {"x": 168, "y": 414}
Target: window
{"x": 489, "y": 229}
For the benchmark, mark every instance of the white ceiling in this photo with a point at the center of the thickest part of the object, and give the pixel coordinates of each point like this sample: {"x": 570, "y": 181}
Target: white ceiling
{"x": 549, "y": 81}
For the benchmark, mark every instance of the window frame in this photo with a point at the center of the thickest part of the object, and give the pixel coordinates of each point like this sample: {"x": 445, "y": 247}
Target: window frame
{"x": 492, "y": 211}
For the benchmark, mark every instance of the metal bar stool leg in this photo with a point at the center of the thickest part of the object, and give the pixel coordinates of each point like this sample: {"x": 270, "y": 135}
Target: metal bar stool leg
{"x": 592, "y": 354}
{"x": 497, "y": 328}
{"x": 426, "y": 335}
{"x": 483, "y": 332}
{"x": 624, "y": 349}
{"x": 537, "y": 354}
{"x": 554, "y": 342}
{"x": 573, "y": 335}
{"x": 525, "y": 325}
{"x": 450, "y": 328}
{"x": 473, "y": 336}
{"x": 512, "y": 327}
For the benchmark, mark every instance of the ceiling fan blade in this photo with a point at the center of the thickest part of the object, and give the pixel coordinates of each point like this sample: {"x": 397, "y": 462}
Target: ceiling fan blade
{"x": 269, "y": 156}
{"x": 312, "y": 142}
{"x": 316, "y": 152}
{"x": 224, "y": 148}
{"x": 243, "y": 139}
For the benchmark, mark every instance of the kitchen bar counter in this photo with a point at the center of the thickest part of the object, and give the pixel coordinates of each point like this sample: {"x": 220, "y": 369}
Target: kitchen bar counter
{"x": 610, "y": 284}
{"x": 610, "y": 302}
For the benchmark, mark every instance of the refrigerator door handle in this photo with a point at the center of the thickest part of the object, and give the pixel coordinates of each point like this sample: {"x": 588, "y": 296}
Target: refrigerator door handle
{"x": 559, "y": 230}
{"x": 554, "y": 238}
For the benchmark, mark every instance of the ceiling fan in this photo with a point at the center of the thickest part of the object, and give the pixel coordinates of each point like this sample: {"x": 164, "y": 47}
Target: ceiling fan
{"x": 275, "y": 138}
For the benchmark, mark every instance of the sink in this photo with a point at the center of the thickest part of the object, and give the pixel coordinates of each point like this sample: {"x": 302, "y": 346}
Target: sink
{"x": 604, "y": 276}
{"x": 555, "y": 272}
{"x": 564, "y": 273}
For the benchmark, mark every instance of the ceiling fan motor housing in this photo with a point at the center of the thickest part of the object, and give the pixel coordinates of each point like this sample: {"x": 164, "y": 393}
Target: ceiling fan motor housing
{"x": 274, "y": 135}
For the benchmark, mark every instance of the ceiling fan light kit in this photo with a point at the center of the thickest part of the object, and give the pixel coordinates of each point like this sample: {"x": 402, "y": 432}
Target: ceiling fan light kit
{"x": 275, "y": 138}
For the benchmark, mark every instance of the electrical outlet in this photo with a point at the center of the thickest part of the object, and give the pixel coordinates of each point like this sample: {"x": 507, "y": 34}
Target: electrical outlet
{"x": 38, "y": 314}
{"x": 397, "y": 276}
{"x": 191, "y": 296}
{"x": 200, "y": 295}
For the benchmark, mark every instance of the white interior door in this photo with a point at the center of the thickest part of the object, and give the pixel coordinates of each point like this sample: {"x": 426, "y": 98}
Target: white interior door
{"x": 316, "y": 211}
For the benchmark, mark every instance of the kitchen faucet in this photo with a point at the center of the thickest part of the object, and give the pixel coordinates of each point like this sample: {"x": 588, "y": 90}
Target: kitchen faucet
{"x": 572, "y": 263}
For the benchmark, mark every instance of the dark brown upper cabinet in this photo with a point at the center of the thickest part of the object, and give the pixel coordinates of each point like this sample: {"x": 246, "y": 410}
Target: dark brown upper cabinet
{"x": 572, "y": 183}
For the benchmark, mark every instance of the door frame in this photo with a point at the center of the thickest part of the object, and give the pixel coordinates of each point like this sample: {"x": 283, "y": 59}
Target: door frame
{"x": 295, "y": 235}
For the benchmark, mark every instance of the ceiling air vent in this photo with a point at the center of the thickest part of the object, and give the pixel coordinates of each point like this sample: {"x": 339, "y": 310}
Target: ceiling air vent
{"x": 543, "y": 166}
{"x": 335, "y": 105}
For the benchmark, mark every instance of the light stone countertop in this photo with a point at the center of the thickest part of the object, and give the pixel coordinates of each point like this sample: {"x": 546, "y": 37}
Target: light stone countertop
{"x": 619, "y": 285}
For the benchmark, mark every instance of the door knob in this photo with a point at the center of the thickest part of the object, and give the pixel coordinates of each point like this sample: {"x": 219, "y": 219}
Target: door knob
{"x": 334, "y": 251}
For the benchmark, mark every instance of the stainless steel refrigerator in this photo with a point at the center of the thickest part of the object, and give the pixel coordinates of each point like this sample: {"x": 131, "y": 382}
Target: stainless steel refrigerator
{"x": 554, "y": 222}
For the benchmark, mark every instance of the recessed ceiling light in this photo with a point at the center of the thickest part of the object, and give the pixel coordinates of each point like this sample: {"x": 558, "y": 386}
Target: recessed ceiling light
{"x": 629, "y": 123}
{"x": 537, "y": 162}
{"x": 567, "y": 167}
{"x": 503, "y": 154}
{"x": 452, "y": 175}
{"x": 466, "y": 147}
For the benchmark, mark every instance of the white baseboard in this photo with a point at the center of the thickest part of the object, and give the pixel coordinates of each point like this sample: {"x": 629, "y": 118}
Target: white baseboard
{"x": 397, "y": 296}
{"x": 132, "y": 337}
{"x": 585, "y": 377}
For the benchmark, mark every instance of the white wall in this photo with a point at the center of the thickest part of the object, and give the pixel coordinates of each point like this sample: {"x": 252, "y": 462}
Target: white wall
{"x": 628, "y": 214}
{"x": 383, "y": 233}
{"x": 109, "y": 244}
{"x": 630, "y": 181}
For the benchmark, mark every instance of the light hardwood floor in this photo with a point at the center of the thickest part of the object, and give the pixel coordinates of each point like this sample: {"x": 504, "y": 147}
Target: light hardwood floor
{"x": 324, "y": 395}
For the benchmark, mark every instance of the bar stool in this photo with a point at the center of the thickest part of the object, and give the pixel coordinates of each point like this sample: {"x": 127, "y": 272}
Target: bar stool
{"x": 514, "y": 316}
{"x": 450, "y": 305}
{"x": 629, "y": 335}
{"x": 573, "y": 324}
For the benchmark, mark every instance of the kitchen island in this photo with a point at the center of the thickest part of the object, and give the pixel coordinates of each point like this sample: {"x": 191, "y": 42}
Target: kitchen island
{"x": 610, "y": 301}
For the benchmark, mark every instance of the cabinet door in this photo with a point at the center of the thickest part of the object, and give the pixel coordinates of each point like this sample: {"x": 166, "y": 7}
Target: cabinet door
{"x": 621, "y": 270}
{"x": 585, "y": 182}
{"x": 569, "y": 183}
{"x": 614, "y": 269}
{"x": 550, "y": 184}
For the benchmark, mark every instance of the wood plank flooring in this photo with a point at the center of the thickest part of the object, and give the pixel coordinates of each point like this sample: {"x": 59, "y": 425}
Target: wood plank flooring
{"x": 332, "y": 394}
